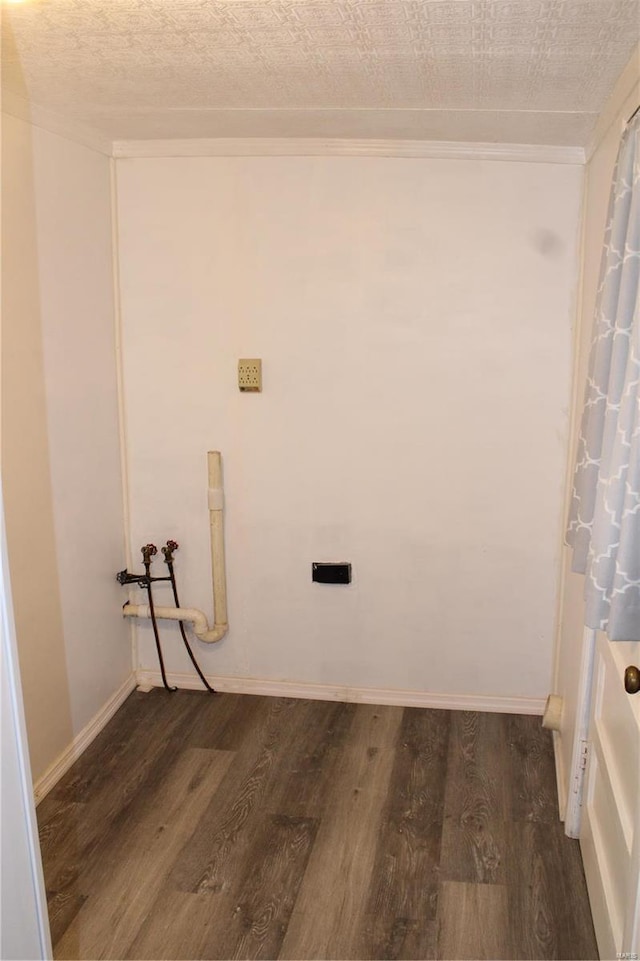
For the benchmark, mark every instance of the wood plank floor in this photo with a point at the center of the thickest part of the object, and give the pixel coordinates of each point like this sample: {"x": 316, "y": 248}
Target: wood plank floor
{"x": 233, "y": 826}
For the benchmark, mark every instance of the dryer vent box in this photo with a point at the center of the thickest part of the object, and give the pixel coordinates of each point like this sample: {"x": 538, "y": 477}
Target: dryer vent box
{"x": 331, "y": 573}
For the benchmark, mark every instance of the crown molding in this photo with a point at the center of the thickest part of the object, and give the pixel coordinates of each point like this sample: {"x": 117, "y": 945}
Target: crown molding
{"x": 323, "y": 147}
{"x": 46, "y": 119}
{"x": 53, "y": 122}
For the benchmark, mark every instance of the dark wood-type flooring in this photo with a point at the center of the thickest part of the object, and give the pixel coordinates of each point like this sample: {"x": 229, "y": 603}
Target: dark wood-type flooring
{"x": 232, "y": 826}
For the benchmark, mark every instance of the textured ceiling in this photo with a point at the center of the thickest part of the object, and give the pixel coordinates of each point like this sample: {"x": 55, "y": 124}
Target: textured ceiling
{"x": 514, "y": 71}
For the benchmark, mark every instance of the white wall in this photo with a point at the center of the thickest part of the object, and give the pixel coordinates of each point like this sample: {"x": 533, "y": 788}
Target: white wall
{"x": 599, "y": 174}
{"x": 25, "y": 461}
{"x": 61, "y": 460}
{"x": 413, "y": 317}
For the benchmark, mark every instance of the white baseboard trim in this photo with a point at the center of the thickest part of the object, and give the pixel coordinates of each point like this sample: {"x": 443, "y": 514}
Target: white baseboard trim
{"x": 560, "y": 775}
{"x": 356, "y": 695}
{"x": 82, "y": 740}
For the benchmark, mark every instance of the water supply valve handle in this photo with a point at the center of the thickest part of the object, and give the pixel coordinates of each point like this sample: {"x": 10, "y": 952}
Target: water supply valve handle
{"x": 169, "y": 550}
{"x": 147, "y": 553}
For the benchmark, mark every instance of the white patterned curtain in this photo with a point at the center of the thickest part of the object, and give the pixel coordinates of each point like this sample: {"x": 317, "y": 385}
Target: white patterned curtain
{"x": 604, "y": 521}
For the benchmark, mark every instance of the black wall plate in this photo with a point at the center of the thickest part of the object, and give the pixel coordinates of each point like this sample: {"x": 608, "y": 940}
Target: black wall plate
{"x": 331, "y": 573}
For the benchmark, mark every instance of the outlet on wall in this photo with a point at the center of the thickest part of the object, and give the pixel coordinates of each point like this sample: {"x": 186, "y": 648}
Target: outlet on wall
{"x": 250, "y": 374}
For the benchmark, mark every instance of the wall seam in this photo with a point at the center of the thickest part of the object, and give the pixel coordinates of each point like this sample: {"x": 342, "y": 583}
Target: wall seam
{"x": 629, "y": 82}
{"x": 575, "y": 414}
{"x": 122, "y": 421}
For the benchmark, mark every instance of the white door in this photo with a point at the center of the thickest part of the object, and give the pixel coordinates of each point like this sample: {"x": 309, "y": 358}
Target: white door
{"x": 610, "y": 835}
{"x": 24, "y": 931}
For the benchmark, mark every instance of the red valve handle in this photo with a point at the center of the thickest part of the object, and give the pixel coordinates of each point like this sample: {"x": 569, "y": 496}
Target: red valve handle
{"x": 147, "y": 552}
{"x": 168, "y": 551}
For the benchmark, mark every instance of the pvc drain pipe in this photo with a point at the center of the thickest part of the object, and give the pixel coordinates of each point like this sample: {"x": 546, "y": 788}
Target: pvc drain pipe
{"x": 192, "y": 615}
{"x": 552, "y": 718}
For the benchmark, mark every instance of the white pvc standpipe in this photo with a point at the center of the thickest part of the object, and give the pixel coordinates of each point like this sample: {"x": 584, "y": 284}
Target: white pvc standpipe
{"x": 218, "y": 561}
{"x": 192, "y": 615}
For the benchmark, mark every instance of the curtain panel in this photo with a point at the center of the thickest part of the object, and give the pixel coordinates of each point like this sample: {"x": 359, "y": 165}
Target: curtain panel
{"x": 604, "y": 518}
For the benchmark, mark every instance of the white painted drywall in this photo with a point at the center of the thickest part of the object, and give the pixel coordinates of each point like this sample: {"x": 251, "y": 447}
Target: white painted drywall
{"x": 61, "y": 462}
{"x": 25, "y": 461}
{"x": 413, "y": 317}
{"x": 599, "y": 174}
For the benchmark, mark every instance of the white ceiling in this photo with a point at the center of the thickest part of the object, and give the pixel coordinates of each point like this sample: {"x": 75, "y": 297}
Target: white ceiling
{"x": 511, "y": 71}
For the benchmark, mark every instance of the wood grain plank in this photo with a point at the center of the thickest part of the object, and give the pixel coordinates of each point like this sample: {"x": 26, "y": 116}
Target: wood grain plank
{"x": 331, "y": 904}
{"x": 145, "y": 714}
{"x": 176, "y": 928}
{"x": 322, "y": 835}
{"x": 404, "y": 892}
{"x": 226, "y": 721}
{"x": 63, "y": 907}
{"x": 473, "y": 922}
{"x": 111, "y": 784}
{"x": 263, "y": 779}
{"x": 108, "y": 778}
{"x": 223, "y": 836}
{"x": 549, "y": 911}
{"x": 267, "y": 891}
{"x": 405, "y": 938}
{"x": 534, "y": 797}
{"x": 477, "y": 799}
{"x": 61, "y": 816}
{"x": 303, "y": 781}
{"x": 130, "y": 878}
{"x": 66, "y": 826}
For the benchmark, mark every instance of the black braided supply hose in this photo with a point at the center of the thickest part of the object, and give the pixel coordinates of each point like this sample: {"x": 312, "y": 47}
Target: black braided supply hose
{"x": 168, "y": 559}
